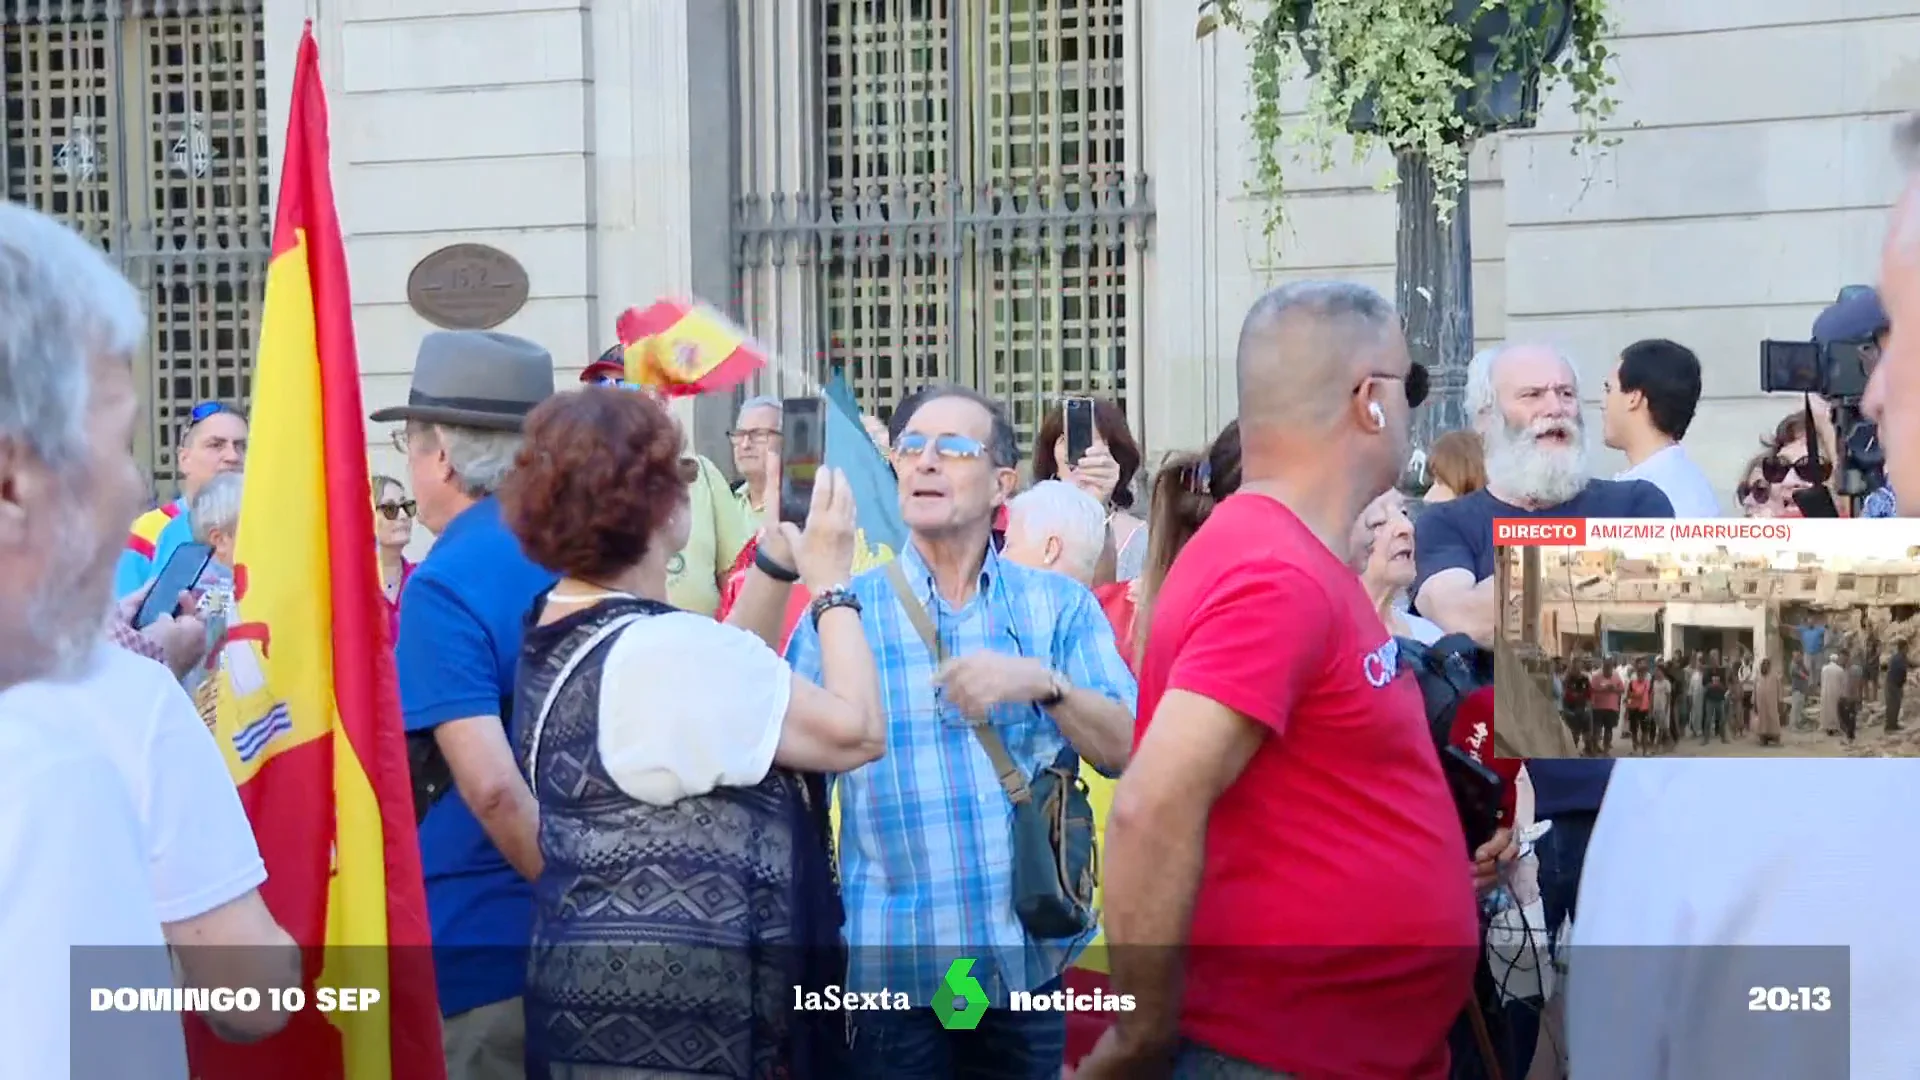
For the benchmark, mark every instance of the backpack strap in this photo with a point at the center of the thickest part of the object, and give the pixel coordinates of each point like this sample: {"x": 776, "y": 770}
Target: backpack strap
{"x": 580, "y": 654}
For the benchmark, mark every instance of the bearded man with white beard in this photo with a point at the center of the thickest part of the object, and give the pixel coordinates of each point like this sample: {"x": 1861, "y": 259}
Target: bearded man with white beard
{"x": 1525, "y": 403}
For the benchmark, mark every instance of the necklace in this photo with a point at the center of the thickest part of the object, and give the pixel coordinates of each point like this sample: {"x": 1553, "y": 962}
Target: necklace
{"x": 586, "y": 597}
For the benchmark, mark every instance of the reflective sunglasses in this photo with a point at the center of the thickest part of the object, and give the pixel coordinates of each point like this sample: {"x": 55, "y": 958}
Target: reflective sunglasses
{"x": 1775, "y": 470}
{"x": 913, "y": 444}
{"x": 394, "y": 511}
{"x": 207, "y": 409}
{"x": 615, "y": 382}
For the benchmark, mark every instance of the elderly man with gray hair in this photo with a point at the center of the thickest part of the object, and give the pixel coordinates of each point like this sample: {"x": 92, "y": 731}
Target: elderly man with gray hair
{"x": 126, "y": 828}
{"x": 756, "y": 431}
{"x": 461, "y": 618}
{"x": 1056, "y": 526}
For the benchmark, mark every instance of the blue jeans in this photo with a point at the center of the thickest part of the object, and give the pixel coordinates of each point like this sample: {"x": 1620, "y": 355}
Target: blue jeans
{"x": 1562, "y": 852}
{"x": 911, "y": 1045}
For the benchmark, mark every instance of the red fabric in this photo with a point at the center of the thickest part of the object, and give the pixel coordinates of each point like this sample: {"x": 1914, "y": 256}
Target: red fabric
{"x": 1334, "y": 933}
{"x": 289, "y": 815}
{"x": 1116, "y": 600}
{"x": 797, "y": 600}
{"x": 393, "y": 605}
{"x": 1473, "y": 732}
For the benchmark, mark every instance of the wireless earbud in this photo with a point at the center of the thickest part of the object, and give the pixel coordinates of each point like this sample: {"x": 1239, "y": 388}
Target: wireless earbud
{"x": 1379, "y": 415}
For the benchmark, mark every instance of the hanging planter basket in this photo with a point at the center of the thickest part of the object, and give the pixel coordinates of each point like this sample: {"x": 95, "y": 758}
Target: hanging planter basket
{"x": 1505, "y": 50}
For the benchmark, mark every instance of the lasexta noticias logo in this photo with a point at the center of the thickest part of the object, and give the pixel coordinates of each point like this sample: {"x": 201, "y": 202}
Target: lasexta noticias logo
{"x": 960, "y": 1002}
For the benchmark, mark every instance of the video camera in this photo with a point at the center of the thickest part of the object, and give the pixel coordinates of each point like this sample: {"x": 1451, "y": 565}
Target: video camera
{"x": 1836, "y": 365}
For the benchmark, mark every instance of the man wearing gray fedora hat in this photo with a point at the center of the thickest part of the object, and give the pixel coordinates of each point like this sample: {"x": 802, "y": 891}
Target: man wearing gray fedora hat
{"x": 460, "y": 627}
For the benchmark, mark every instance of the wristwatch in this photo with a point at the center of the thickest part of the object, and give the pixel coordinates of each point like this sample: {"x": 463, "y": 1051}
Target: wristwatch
{"x": 1057, "y": 687}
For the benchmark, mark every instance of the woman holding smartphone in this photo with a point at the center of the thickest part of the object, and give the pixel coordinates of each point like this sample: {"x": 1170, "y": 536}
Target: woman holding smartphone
{"x": 1105, "y": 470}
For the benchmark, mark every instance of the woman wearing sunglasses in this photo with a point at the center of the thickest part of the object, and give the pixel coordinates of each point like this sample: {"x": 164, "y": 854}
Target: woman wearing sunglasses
{"x": 1784, "y": 469}
{"x": 392, "y": 531}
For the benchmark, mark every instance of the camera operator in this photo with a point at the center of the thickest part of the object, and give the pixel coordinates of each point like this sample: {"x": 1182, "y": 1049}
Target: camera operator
{"x": 1893, "y": 393}
{"x": 1857, "y": 321}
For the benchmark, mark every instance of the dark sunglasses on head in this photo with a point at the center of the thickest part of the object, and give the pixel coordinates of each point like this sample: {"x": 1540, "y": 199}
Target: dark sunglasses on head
{"x": 912, "y": 444}
{"x": 1775, "y": 469}
{"x": 394, "y": 511}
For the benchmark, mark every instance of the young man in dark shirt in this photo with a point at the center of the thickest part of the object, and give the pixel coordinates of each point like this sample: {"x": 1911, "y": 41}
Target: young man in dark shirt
{"x": 1714, "y": 678}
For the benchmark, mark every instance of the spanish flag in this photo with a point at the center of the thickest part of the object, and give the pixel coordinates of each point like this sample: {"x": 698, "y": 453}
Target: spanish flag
{"x": 681, "y": 348}
{"x": 307, "y": 711}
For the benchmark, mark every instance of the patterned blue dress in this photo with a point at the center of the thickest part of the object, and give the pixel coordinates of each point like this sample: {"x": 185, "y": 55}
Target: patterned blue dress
{"x": 667, "y": 940}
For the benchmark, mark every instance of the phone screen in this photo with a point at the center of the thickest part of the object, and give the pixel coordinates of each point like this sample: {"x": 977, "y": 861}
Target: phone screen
{"x": 1079, "y": 424}
{"x": 803, "y": 451}
{"x": 181, "y": 573}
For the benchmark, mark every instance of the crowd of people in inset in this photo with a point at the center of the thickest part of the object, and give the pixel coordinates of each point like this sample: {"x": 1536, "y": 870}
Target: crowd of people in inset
{"x": 1699, "y": 696}
{"x": 635, "y": 739}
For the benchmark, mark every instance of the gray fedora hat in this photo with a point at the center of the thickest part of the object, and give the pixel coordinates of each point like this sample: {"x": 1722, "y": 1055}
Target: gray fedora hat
{"x": 475, "y": 379}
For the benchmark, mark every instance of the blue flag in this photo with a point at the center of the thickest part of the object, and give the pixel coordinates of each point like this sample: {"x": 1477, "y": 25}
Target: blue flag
{"x": 876, "y": 494}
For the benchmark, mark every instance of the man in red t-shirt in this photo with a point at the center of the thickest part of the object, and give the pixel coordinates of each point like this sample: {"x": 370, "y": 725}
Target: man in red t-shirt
{"x": 1284, "y": 816}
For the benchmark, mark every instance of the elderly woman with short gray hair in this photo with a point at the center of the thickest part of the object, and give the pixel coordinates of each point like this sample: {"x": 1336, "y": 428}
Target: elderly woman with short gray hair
{"x": 215, "y": 513}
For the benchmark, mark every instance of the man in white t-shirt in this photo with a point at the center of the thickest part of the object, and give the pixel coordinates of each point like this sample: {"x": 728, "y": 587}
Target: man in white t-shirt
{"x": 1649, "y": 403}
{"x": 74, "y": 867}
{"x": 204, "y": 866}
{"x": 1789, "y": 867}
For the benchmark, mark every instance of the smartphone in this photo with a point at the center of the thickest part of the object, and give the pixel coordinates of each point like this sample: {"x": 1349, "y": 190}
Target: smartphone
{"x": 1476, "y": 794}
{"x": 803, "y": 433}
{"x": 1079, "y": 424}
{"x": 181, "y": 573}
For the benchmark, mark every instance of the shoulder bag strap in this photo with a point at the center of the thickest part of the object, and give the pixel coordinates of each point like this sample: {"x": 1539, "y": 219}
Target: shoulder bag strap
{"x": 1012, "y": 781}
{"x": 560, "y": 681}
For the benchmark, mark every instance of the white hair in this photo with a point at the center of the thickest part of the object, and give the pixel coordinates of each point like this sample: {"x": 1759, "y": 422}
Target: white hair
{"x": 217, "y": 506}
{"x": 1057, "y": 508}
{"x": 480, "y": 459}
{"x": 64, "y": 304}
{"x": 1516, "y": 462}
{"x": 763, "y": 401}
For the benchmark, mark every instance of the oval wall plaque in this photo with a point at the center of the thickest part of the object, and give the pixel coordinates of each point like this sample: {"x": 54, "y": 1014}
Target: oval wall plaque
{"x": 467, "y": 287}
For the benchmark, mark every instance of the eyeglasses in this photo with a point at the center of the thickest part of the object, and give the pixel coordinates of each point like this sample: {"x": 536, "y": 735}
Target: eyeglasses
{"x": 1415, "y": 380}
{"x": 1813, "y": 472}
{"x": 1757, "y": 492}
{"x": 913, "y": 444}
{"x": 399, "y": 438}
{"x": 754, "y": 436}
{"x": 394, "y": 511}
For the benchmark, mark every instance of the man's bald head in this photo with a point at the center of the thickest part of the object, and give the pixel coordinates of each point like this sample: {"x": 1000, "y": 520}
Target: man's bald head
{"x": 1304, "y": 345}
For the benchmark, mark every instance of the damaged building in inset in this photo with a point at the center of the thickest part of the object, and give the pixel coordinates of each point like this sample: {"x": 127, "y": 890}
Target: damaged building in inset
{"x": 1586, "y": 600}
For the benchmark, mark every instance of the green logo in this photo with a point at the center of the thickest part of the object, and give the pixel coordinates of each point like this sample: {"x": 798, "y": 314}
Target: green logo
{"x": 960, "y": 1002}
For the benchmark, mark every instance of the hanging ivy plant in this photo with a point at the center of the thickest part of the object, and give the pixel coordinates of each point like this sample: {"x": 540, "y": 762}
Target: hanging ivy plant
{"x": 1422, "y": 76}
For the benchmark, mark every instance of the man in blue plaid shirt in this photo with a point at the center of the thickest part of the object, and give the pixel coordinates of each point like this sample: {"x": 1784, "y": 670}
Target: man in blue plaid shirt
{"x": 925, "y": 839}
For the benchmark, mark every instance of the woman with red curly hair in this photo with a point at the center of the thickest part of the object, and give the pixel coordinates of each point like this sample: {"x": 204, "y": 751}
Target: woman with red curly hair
{"x": 675, "y": 760}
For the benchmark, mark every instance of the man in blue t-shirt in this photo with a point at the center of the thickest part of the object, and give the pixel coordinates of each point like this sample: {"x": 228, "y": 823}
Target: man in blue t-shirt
{"x": 460, "y": 626}
{"x": 1525, "y": 403}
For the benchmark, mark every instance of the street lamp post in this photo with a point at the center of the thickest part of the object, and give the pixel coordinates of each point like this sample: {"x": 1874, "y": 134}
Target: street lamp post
{"x": 1507, "y": 44}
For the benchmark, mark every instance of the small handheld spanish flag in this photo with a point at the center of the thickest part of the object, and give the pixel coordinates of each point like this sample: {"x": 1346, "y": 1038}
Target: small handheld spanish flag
{"x": 682, "y": 348}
